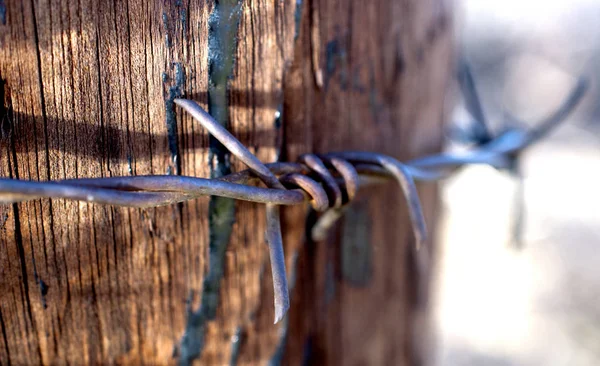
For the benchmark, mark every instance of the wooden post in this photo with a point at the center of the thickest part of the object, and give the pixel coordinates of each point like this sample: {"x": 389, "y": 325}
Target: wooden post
{"x": 88, "y": 89}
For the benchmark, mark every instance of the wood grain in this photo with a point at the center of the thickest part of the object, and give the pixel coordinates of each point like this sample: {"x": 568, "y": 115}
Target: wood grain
{"x": 87, "y": 89}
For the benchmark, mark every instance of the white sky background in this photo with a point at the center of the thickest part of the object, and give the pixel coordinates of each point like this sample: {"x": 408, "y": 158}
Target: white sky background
{"x": 572, "y": 23}
{"x": 539, "y": 306}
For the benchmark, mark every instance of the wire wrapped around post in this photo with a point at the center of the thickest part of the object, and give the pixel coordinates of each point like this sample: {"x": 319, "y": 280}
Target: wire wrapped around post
{"x": 328, "y": 181}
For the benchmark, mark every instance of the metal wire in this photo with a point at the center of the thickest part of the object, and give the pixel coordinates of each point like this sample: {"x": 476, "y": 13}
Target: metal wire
{"x": 329, "y": 181}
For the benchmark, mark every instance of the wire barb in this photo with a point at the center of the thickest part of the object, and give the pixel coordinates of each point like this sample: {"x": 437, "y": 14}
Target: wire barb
{"x": 280, "y": 286}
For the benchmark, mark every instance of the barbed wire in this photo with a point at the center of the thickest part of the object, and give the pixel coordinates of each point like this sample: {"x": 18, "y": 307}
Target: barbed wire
{"x": 327, "y": 181}
{"x": 513, "y": 137}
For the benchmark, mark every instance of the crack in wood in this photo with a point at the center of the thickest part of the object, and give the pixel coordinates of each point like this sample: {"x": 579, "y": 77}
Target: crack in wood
{"x": 2, "y": 12}
{"x": 297, "y": 19}
{"x": 175, "y": 91}
{"x": 236, "y": 343}
{"x": 222, "y": 43}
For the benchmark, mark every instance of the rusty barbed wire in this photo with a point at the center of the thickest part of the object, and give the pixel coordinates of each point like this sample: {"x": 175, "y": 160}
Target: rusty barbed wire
{"x": 328, "y": 181}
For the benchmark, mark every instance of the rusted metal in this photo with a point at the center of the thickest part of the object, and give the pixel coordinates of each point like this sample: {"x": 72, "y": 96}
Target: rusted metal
{"x": 319, "y": 201}
{"x": 404, "y": 177}
{"x": 333, "y": 189}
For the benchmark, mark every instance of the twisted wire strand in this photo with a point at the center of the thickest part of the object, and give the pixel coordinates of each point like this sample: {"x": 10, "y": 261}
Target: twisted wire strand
{"x": 329, "y": 182}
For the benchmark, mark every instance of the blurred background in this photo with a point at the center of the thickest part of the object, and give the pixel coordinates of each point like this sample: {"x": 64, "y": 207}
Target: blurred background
{"x": 495, "y": 303}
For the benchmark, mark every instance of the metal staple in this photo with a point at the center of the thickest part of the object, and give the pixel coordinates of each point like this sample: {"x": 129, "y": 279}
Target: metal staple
{"x": 327, "y": 181}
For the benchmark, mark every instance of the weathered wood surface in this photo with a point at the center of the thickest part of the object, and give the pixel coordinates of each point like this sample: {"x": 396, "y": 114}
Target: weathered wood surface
{"x": 88, "y": 86}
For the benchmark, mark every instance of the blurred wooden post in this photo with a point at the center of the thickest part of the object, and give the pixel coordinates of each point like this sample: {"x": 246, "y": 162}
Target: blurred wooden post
{"x": 88, "y": 89}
